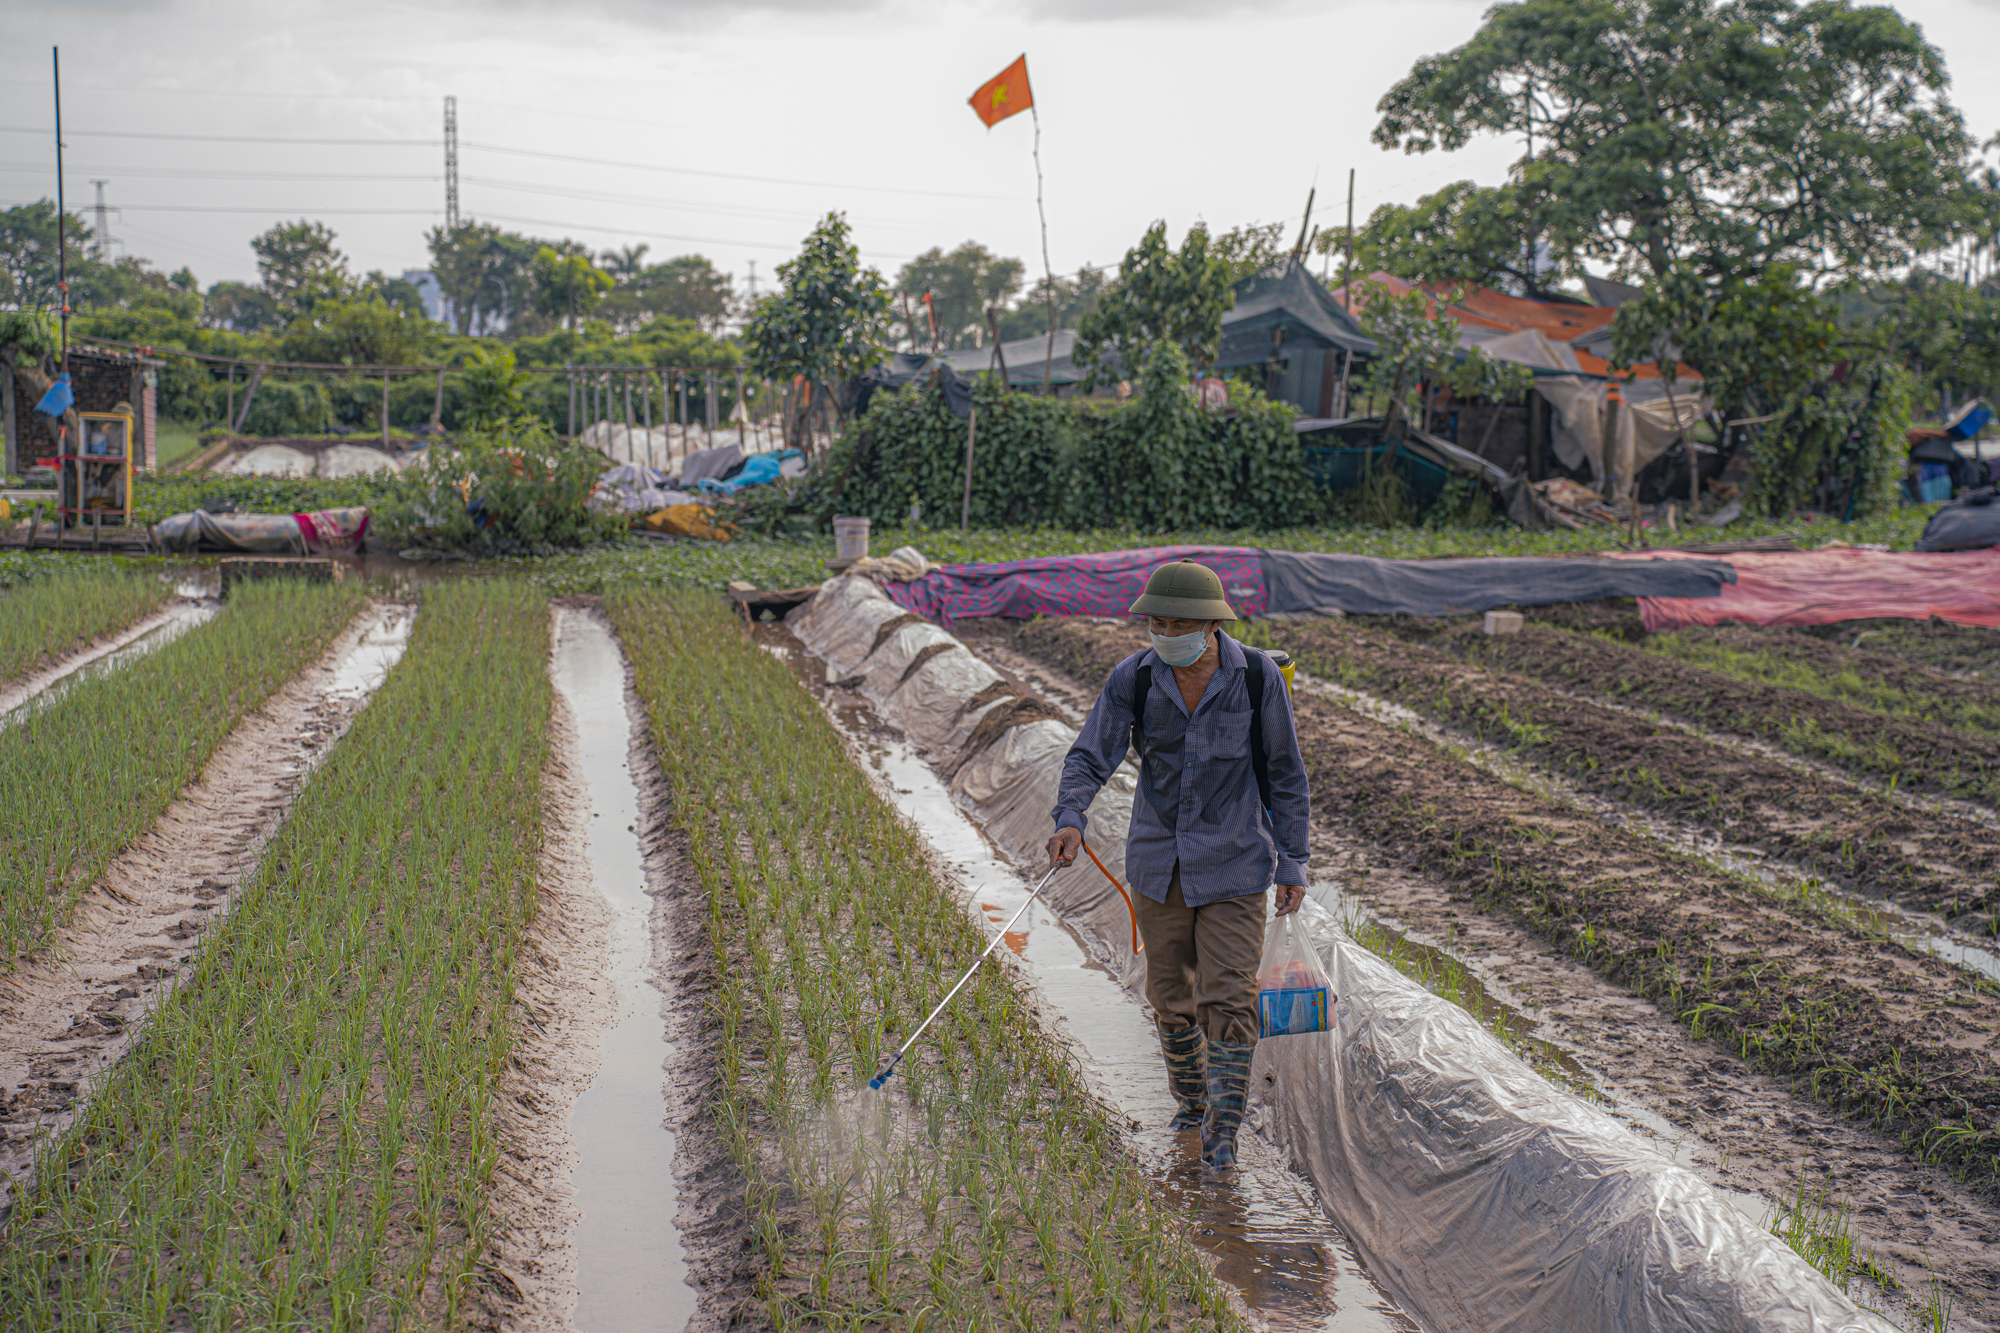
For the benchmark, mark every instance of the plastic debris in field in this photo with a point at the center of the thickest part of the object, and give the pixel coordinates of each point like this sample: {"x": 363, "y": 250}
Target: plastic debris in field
{"x": 692, "y": 520}
{"x": 758, "y": 470}
{"x": 1294, "y": 993}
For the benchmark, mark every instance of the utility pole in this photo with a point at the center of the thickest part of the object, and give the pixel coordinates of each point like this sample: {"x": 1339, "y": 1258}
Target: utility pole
{"x": 753, "y": 282}
{"x": 1347, "y": 287}
{"x": 103, "y": 223}
{"x": 450, "y": 164}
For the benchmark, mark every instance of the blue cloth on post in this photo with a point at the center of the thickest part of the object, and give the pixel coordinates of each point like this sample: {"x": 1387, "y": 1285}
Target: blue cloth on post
{"x": 59, "y": 399}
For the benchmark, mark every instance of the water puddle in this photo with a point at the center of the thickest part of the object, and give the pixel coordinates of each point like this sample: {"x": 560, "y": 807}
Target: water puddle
{"x": 631, "y": 1267}
{"x": 362, "y": 669}
{"x": 109, "y": 654}
{"x": 1266, "y": 1229}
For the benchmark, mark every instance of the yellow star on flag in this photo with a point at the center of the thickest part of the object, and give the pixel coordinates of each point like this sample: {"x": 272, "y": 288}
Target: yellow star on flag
{"x": 993, "y": 104}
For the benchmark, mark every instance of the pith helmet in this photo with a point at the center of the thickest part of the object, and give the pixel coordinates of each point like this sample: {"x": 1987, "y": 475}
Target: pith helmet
{"x": 1183, "y": 590}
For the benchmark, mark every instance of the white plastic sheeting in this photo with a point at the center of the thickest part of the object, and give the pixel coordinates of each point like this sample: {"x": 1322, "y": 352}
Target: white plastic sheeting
{"x": 1480, "y": 1196}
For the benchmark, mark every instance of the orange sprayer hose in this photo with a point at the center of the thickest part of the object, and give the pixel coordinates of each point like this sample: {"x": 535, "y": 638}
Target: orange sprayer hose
{"x": 1138, "y": 945}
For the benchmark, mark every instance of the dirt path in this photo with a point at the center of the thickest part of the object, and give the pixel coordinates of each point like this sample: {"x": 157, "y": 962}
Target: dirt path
{"x": 564, "y": 1002}
{"x": 67, "y": 1014}
{"x": 157, "y": 628}
{"x": 1857, "y": 838}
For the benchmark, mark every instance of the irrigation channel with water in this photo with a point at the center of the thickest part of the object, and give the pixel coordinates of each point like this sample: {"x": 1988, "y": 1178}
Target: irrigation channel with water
{"x": 631, "y": 1270}
{"x": 1265, "y": 1227}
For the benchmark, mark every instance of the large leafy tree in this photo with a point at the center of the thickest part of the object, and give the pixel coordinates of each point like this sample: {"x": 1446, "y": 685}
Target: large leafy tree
{"x": 684, "y": 288}
{"x": 1464, "y": 233}
{"x": 1726, "y": 136}
{"x": 568, "y": 286}
{"x": 300, "y": 266}
{"x": 485, "y": 273}
{"x": 1162, "y": 294}
{"x": 963, "y": 285}
{"x": 828, "y": 320}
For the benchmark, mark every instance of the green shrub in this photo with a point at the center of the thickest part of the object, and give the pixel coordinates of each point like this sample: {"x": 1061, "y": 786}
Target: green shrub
{"x": 1159, "y": 461}
{"x": 509, "y": 491}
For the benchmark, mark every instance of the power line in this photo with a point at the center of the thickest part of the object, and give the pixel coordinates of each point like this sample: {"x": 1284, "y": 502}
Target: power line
{"x": 221, "y": 138}
{"x": 646, "y": 201}
{"x": 730, "y": 175}
{"x": 736, "y": 241}
{"x": 302, "y": 212}
{"x": 170, "y": 173}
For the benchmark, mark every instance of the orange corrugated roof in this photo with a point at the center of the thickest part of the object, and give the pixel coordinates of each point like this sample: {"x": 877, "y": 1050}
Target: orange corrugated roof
{"x": 1560, "y": 322}
{"x": 1484, "y": 308}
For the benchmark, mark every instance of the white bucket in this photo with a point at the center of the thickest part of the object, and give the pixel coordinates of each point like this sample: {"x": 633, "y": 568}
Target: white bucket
{"x": 850, "y": 539}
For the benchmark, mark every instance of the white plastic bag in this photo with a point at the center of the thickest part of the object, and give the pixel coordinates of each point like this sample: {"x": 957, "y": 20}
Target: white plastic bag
{"x": 1294, "y": 993}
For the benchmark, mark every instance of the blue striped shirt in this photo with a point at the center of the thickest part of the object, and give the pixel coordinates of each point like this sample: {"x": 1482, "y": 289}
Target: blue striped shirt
{"x": 1197, "y": 800}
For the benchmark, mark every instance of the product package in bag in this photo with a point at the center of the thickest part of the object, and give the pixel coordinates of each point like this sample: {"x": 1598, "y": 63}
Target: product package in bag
{"x": 1294, "y": 993}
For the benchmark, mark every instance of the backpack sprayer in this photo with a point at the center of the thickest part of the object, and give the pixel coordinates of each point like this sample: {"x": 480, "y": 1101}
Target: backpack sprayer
{"x": 1137, "y": 947}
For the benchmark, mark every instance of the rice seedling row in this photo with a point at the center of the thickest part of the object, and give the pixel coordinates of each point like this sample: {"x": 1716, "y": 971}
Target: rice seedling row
{"x": 140, "y": 924}
{"x": 987, "y": 1187}
{"x": 1859, "y": 1024}
{"x": 305, "y": 1135}
{"x": 1857, "y": 837}
{"x": 44, "y": 619}
{"x": 1901, "y": 751}
{"x": 89, "y": 771}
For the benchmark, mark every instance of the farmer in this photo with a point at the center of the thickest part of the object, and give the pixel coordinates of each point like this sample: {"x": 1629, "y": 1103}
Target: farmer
{"x": 1220, "y": 816}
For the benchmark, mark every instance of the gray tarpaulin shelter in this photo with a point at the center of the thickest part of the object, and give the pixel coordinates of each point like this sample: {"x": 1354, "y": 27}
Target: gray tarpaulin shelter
{"x": 1367, "y": 586}
{"x": 1284, "y": 314}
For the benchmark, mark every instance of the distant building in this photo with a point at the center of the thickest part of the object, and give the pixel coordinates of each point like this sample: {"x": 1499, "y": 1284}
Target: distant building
{"x": 435, "y": 306}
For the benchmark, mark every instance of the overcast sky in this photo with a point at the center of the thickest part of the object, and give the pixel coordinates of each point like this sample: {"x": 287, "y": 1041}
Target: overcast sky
{"x": 727, "y": 128}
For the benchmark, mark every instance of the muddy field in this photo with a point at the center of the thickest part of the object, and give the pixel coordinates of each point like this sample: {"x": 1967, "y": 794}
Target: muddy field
{"x": 488, "y": 962}
{"x": 1742, "y": 1001}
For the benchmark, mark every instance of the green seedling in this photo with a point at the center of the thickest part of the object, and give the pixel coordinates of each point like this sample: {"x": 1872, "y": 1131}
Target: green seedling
{"x": 973, "y": 1192}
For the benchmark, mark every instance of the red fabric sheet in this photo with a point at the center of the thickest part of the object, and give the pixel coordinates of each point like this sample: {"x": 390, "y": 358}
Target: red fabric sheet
{"x": 1104, "y": 583}
{"x": 1840, "y": 583}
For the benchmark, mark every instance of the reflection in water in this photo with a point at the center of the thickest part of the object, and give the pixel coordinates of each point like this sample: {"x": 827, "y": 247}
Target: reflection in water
{"x": 1265, "y": 1228}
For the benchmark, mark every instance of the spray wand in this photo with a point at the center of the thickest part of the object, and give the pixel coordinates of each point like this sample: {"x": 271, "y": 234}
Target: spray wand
{"x": 897, "y": 1058}
{"x": 1137, "y": 947}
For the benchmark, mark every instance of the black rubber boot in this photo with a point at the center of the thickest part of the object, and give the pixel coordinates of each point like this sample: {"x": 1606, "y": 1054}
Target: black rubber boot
{"x": 1228, "y": 1091}
{"x": 1186, "y": 1050}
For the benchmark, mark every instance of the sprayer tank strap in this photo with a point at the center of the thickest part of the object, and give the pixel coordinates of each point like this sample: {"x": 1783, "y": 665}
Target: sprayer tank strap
{"x": 1255, "y": 664}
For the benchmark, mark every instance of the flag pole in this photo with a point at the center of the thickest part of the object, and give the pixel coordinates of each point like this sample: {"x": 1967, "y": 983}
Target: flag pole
{"x": 62, "y": 250}
{"x": 1049, "y": 356}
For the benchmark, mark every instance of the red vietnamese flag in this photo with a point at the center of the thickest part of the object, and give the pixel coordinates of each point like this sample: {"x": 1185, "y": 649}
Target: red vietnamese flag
{"x": 1004, "y": 94}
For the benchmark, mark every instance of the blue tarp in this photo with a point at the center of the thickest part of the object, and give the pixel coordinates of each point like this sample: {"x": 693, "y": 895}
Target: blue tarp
{"x": 1368, "y": 586}
{"x": 757, "y": 470}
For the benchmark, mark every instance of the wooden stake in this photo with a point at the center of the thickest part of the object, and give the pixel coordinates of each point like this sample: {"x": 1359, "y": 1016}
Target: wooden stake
{"x": 971, "y": 433}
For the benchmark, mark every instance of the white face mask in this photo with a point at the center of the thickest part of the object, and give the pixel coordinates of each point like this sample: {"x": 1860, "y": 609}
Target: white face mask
{"x": 1180, "y": 649}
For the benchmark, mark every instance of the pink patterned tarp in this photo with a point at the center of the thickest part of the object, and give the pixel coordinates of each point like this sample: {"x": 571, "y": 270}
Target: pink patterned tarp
{"x": 1840, "y": 583}
{"x": 1103, "y": 583}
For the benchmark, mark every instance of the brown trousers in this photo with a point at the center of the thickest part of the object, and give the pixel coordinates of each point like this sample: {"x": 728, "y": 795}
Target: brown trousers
{"x": 1201, "y": 962}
